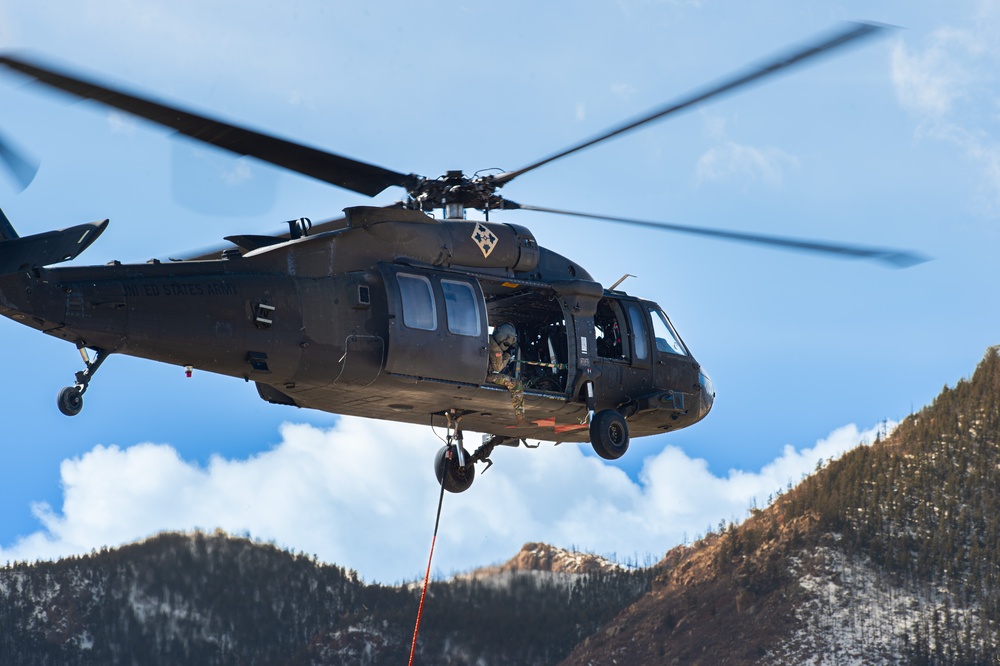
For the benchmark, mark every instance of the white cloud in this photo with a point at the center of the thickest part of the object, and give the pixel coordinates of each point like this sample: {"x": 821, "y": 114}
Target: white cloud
{"x": 238, "y": 172}
{"x": 930, "y": 82}
{"x": 949, "y": 86}
{"x": 733, "y": 161}
{"x": 623, "y": 90}
{"x": 363, "y": 495}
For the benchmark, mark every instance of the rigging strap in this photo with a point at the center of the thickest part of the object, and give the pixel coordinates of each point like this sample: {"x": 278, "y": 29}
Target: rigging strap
{"x": 445, "y": 461}
{"x": 557, "y": 366}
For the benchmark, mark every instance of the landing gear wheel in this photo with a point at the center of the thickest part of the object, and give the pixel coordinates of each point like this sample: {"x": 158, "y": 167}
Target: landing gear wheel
{"x": 70, "y": 401}
{"x": 456, "y": 479}
{"x": 609, "y": 434}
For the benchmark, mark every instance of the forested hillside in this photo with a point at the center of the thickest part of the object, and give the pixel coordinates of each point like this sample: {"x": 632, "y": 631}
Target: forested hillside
{"x": 215, "y": 599}
{"x": 924, "y": 508}
{"x": 890, "y": 554}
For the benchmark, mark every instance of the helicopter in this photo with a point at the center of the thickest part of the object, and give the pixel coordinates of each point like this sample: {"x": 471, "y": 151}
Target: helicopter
{"x": 388, "y": 312}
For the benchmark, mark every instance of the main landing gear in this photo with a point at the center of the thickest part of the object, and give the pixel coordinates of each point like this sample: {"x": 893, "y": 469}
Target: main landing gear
{"x": 455, "y": 471}
{"x": 70, "y": 399}
{"x": 454, "y": 466}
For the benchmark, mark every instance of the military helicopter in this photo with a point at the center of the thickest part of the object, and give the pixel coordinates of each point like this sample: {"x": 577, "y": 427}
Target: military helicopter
{"x": 387, "y": 312}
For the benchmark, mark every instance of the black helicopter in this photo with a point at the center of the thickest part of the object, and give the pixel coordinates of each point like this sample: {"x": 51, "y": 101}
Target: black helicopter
{"x": 387, "y": 312}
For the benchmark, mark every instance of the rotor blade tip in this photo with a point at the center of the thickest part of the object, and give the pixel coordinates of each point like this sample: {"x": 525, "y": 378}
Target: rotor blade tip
{"x": 904, "y": 259}
{"x": 876, "y": 26}
{"x": 21, "y": 168}
{"x": 24, "y": 178}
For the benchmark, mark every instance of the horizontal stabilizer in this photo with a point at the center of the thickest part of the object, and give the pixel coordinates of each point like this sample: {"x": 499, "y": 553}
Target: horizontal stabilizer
{"x": 251, "y": 242}
{"x": 51, "y": 247}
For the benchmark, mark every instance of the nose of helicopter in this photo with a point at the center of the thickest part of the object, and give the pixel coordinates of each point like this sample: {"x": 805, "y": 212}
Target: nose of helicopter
{"x": 707, "y": 394}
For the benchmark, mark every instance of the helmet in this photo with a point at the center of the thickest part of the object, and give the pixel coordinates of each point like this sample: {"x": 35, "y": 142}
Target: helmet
{"x": 505, "y": 336}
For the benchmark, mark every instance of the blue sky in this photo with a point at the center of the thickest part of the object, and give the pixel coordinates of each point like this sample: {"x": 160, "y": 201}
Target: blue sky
{"x": 894, "y": 144}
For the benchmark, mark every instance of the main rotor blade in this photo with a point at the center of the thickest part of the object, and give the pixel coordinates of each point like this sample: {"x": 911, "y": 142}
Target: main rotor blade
{"x": 847, "y": 35}
{"x": 334, "y": 169}
{"x": 21, "y": 167}
{"x": 888, "y": 256}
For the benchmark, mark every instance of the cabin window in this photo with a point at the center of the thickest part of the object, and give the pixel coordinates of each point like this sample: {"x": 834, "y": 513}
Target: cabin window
{"x": 418, "y": 302}
{"x": 461, "y": 307}
{"x": 666, "y": 340}
{"x": 638, "y": 322}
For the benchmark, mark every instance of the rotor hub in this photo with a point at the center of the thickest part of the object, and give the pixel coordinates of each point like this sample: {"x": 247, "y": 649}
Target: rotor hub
{"x": 454, "y": 192}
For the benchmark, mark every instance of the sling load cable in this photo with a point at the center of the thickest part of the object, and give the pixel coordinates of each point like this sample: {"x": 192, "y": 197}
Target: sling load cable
{"x": 445, "y": 461}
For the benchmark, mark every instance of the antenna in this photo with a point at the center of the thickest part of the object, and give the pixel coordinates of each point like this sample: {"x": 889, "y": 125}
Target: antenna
{"x": 620, "y": 280}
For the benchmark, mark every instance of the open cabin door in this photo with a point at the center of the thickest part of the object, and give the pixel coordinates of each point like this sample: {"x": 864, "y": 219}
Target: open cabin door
{"x": 544, "y": 353}
{"x": 437, "y": 325}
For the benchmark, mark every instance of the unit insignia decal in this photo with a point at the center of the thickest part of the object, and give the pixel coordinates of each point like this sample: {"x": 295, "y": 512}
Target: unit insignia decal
{"x": 484, "y": 238}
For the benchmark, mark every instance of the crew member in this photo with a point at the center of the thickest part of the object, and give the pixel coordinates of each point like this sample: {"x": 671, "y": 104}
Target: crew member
{"x": 503, "y": 340}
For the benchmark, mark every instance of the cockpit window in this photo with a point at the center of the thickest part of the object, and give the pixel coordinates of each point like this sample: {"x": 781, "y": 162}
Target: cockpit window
{"x": 608, "y": 331}
{"x": 636, "y": 318}
{"x": 666, "y": 340}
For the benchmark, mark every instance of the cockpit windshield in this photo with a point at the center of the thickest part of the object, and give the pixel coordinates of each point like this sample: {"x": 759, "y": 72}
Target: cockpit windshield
{"x": 666, "y": 339}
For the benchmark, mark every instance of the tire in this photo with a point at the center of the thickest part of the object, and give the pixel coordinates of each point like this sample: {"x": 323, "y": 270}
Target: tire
{"x": 70, "y": 401}
{"x": 455, "y": 479}
{"x": 609, "y": 434}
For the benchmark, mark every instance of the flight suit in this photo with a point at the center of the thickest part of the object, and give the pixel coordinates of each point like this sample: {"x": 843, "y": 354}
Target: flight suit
{"x": 499, "y": 360}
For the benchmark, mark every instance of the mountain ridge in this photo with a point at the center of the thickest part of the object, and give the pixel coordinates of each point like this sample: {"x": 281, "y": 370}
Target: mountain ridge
{"x": 217, "y": 599}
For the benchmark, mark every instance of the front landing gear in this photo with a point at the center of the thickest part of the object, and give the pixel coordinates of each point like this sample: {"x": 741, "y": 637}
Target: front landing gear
{"x": 609, "y": 434}
{"x": 70, "y": 399}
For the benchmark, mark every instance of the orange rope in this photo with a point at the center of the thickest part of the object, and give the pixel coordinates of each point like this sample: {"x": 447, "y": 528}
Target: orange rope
{"x": 427, "y": 576}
